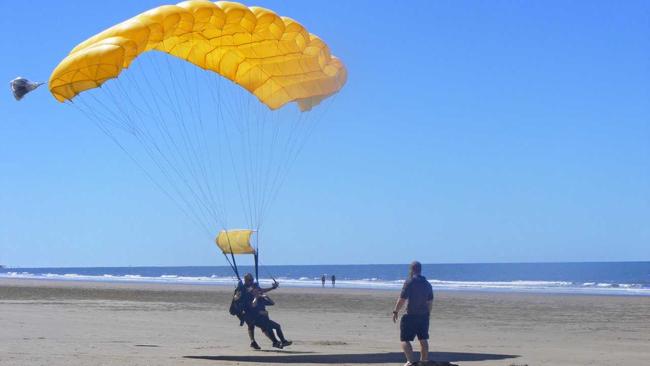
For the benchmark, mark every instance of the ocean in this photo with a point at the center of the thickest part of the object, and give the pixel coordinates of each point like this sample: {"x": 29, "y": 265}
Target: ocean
{"x": 602, "y": 278}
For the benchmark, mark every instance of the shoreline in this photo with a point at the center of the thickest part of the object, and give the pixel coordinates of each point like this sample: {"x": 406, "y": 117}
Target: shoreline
{"x": 597, "y": 278}
{"x": 343, "y": 285}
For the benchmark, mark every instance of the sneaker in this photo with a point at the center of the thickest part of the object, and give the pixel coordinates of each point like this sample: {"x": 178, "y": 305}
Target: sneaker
{"x": 277, "y": 345}
{"x": 286, "y": 343}
{"x": 254, "y": 345}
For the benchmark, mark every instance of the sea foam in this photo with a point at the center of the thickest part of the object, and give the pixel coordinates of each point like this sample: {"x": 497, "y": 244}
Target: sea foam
{"x": 563, "y": 287}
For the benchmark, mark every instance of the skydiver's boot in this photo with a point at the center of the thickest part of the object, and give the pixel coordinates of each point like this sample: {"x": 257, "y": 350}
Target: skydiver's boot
{"x": 286, "y": 343}
{"x": 276, "y": 344}
{"x": 283, "y": 341}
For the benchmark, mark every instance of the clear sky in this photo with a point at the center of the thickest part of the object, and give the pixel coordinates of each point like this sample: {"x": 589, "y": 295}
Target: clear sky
{"x": 467, "y": 132}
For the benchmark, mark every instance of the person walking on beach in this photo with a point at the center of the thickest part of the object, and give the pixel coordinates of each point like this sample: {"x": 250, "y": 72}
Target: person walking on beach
{"x": 333, "y": 281}
{"x": 418, "y": 293}
{"x": 322, "y": 279}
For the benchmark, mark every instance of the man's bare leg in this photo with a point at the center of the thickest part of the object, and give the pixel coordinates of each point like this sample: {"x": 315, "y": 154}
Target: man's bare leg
{"x": 424, "y": 350}
{"x": 408, "y": 351}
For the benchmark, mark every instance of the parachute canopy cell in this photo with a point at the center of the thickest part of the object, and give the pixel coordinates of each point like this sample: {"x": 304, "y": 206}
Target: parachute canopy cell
{"x": 235, "y": 241}
{"x": 273, "y": 57}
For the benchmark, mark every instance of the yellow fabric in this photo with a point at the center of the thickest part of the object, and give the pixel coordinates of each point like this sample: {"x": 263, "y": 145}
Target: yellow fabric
{"x": 273, "y": 57}
{"x": 235, "y": 241}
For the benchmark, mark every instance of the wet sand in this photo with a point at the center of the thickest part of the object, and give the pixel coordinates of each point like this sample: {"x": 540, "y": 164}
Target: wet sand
{"x": 86, "y": 323}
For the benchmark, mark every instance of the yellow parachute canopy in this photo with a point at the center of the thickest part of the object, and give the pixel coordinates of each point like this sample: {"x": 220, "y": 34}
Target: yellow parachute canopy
{"x": 235, "y": 241}
{"x": 273, "y": 57}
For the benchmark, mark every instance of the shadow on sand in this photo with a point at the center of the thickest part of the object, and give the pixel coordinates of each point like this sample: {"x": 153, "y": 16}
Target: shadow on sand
{"x": 388, "y": 357}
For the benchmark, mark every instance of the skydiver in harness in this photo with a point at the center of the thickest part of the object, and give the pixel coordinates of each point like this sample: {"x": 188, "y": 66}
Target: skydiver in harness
{"x": 262, "y": 320}
{"x": 249, "y": 304}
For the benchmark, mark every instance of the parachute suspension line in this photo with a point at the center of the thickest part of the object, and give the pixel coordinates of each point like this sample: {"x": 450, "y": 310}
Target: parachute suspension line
{"x": 158, "y": 122}
{"x": 284, "y": 164}
{"x": 267, "y": 173}
{"x": 209, "y": 167}
{"x": 149, "y": 143}
{"x": 161, "y": 126}
{"x": 262, "y": 152}
{"x": 313, "y": 125}
{"x": 250, "y": 159}
{"x": 175, "y": 129}
{"x": 222, "y": 128}
{"x": 221, "y": 115}
{"x": 100, "y": 125}
{"x": 195, "y": 161}
{"x": 257, "y": 273}
{"x": 242, "y": 122}
{"x": 263, "y": 170}
{"x": 232, "y": 255}
{"x": 233, "y": 162}
{"x": 224, "y": 110}
{"x": 95, "y": 117}
{"x": 137, "y": 133}
{"x": 238, "y": 121}
{"x": 198, "y": 148}
{"x": 218, "y": 122}
{"x": 247, "y": 152}
{"x": 233, "y": 267}
{"x": 197, "y": 152}
{"x": 169, "y": 141}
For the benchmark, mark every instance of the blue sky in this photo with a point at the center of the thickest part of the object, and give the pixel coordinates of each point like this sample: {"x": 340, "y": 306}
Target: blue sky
{"x": 467, "y": 132}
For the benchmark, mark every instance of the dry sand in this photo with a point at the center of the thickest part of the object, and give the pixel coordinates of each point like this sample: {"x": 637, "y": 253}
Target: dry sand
{"x": 82, "y": 323}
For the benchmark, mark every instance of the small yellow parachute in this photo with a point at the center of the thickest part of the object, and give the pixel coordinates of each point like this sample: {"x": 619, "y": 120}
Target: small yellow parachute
{"x": 273, "y": 57}
{"x": 235, "y": 241}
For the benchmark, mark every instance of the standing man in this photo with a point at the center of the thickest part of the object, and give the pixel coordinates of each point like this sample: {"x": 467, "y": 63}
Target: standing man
{"x": 333, "y": 281}
{"x": 322, "y": 280}
{"x": 419, "y": 294}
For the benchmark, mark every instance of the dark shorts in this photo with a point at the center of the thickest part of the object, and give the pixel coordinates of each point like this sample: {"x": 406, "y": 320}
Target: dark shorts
{"x": 414, "y": 325}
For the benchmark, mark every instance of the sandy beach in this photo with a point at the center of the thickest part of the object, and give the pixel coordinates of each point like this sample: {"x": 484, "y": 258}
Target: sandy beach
{"x": 86, "y": 323}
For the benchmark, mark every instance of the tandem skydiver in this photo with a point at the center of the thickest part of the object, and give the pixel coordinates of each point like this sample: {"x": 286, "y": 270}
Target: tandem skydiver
{"x": 249, "y": 304}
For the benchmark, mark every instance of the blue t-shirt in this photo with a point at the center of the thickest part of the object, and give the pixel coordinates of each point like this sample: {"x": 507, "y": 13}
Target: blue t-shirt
{"x": 418, "y": 291}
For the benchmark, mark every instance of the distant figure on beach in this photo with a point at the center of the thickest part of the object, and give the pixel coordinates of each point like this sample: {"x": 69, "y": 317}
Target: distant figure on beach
{"x": 333, "y": 281}
{"x": 253, "y": 300}
{"x": 322, "y": 279}
{"x": 419, "y": 294}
